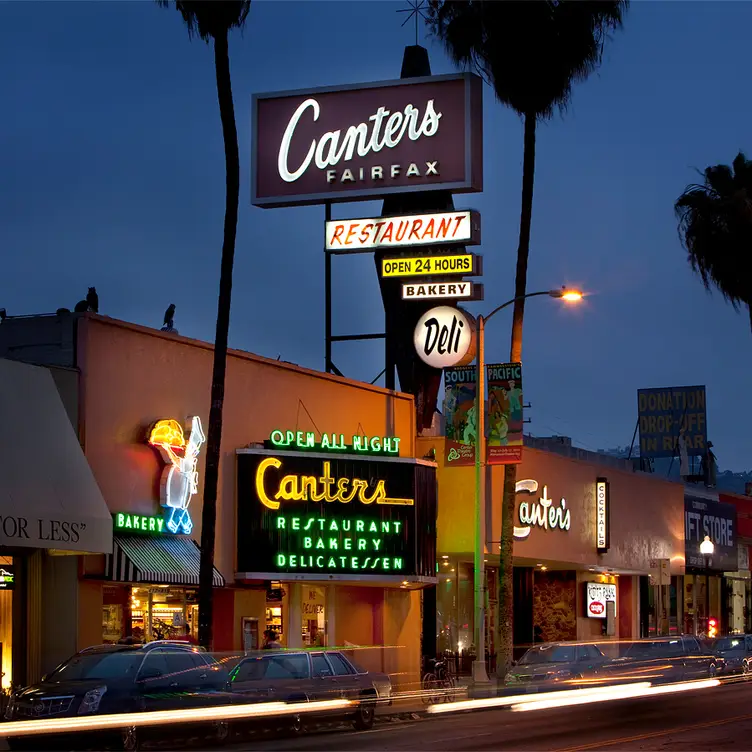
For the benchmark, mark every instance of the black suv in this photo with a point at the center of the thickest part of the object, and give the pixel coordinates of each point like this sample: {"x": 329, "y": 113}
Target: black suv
{"x": 161, "y": 675}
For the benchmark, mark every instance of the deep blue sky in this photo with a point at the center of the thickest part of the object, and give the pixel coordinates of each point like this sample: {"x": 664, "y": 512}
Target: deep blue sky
{"x": 112, "y": 174}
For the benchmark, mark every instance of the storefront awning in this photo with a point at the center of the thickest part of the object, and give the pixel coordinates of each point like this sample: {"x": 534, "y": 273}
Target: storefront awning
{"x": 162, "y": 561}
{"x": 48, "y": 495}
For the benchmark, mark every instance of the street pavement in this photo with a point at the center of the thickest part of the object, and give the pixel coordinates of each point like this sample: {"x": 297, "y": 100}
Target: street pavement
{"x": 719, "y": 718}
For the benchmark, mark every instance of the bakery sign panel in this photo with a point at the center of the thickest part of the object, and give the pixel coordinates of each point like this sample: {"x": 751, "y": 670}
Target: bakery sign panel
{"x": 321, "y": 515}
{"x": 364, "y": 141}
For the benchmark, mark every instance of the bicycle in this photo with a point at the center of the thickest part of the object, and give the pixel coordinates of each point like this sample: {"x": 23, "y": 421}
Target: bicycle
{"x": 438, "y": 684}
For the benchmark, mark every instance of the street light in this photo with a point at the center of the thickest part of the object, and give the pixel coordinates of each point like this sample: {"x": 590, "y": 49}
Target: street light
{"x": 480, "y": 675}
{"x": 706, "y": 549}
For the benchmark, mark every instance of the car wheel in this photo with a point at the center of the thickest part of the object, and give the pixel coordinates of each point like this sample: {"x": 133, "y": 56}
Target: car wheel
{"x": 296, "y": 726}
{"x": 745, "y": 669}
{"x": 364, "y": 715}
{"x": 129, "y": 739}
{"x": 221, "y": 731}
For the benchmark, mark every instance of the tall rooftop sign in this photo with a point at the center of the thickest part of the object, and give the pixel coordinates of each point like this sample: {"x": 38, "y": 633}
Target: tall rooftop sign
{"x": 347, "y": 143}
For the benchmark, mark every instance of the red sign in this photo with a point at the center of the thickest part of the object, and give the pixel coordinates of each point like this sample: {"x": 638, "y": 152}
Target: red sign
{"x": 361, "y": 142}
{"x": 597, "y": 608}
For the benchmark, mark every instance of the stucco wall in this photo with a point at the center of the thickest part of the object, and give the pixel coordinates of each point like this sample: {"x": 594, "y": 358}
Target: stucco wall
{"x": 132, "y": 376}
{"x": 647, "y": 513}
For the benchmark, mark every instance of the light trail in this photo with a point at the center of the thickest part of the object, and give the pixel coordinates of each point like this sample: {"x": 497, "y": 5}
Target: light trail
{"x": 615, "y": 693}
{"x": 158, "y": 717}
{"x": 498, "y": 702}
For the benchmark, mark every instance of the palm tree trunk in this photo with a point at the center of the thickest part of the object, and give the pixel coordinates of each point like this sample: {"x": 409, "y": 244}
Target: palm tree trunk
{"x": 506, "y": 553}
{"x": 214, "y": 434}
{"x": 750, "y": 315}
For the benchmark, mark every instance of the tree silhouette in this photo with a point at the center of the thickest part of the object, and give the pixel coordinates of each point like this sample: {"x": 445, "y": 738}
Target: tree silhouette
{"x": 530, "y": 52}
{"x": 213, "y": 20}
{"x": 715, "y": 225}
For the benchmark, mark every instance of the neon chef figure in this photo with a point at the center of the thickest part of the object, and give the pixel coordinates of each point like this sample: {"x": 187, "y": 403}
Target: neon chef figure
{"x": 180, "y": 478}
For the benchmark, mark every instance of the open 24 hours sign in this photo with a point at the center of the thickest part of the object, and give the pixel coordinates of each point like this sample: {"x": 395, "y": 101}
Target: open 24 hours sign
{"x": 326, "y": 516}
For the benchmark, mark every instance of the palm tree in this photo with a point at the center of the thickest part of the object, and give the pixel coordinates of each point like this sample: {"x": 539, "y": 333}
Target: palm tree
{"x": 213, "y": 19}
{"x": 531, "y": 52}
{"x": 715, "y": 225}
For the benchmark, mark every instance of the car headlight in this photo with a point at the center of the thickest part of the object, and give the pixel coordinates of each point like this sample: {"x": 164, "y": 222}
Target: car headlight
{"x": 90, "y": 703}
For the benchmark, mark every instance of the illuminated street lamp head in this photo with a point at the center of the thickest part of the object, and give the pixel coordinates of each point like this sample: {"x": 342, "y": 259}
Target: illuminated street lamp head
{"x": 707, "y": 547}
{"x": 571, "y": 296}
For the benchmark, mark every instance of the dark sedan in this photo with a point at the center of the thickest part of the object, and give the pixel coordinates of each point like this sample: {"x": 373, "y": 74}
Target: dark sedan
{"x": 736, "y": 653}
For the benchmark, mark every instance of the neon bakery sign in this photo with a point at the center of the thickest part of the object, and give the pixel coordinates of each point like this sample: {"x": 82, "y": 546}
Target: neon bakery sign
{"x": 541, "y": 513}
{"x": 180, "y": 476}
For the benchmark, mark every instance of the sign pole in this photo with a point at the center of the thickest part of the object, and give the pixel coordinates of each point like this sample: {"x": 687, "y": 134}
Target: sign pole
{"x": 480, "y": 674}
{"x": 328, "y": 297}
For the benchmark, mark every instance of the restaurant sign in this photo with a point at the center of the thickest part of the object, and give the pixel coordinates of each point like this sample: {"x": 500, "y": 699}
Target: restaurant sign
{"x": 443, "y": 291}
{"x": 542, "y": 512}
{"x": 346, "y": 143}
{"x": 324, "y": 515}
{"x": 305, "y": 441}
{"x": 363, "y": 235}
{"x": 462, "y": 264}
{"x": 445, "y": 337}
{"x": 598, "y": 595}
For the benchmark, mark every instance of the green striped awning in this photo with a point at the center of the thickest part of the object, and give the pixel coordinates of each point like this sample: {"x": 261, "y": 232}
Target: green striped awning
{"x": 164, "y": 560}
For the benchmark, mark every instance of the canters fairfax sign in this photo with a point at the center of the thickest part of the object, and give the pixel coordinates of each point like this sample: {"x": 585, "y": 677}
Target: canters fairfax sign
{"x": 363, "y": 235}
{"x": 355, "y": 142}
{"x": 325, "y": 516}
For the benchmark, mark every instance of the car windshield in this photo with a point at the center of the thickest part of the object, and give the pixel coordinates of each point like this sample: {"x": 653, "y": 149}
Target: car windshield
{"x": 115, "y": 665}
{"x": 729, "y": 643}
{"x": 548, "y": 654}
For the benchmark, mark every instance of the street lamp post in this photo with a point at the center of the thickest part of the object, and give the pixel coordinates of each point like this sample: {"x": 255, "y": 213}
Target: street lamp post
{"x": 706, "y": 549}
{"x": 480, "y": 674}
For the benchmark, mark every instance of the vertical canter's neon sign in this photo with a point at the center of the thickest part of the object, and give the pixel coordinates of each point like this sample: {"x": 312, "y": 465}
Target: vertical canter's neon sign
{"x": 180, "y": 477}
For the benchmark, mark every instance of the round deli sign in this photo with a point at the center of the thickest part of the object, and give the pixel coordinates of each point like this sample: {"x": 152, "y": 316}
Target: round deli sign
{"x": 445, "y": 337}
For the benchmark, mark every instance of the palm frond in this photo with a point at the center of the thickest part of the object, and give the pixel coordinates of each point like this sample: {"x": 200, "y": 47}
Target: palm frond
{"x": 209, "y": 19}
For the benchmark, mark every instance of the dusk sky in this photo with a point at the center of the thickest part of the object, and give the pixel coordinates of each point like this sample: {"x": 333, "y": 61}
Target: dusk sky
{"x": 112, "y": 174}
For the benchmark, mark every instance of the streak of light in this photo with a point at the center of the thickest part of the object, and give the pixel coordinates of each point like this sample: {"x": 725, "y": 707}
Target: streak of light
{"x": 157, "y": 717}
{"x": 616, "y": 693}
{"x": 499, "y": 702}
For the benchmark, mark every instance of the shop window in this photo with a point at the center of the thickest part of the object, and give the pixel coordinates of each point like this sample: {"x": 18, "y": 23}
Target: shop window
{"x": 6, "y": 624}
{"x": 313, "y": 610}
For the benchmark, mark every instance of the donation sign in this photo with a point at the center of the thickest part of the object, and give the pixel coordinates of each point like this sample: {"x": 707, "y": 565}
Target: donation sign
{"x": 670, "y": 417}
{"x": 347, "y": 143}
{"x": 460, "y": 417}
{"x": 325, "y": 515}
{"x": 363, "y": 235}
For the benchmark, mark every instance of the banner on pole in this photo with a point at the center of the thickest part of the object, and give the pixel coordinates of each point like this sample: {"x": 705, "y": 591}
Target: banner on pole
{"x": 460, "y": 416}
{"x": 504, "y": 422}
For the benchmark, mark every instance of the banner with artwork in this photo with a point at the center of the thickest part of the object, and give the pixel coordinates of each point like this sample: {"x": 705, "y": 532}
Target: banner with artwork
{"x": 504, "y": 420}
{"x": 460, "y": 417}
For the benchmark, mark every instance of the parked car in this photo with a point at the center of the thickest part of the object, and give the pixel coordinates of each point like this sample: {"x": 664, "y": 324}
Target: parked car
{"x": 303, "y": 676}
{"x": 555, "y": 662}
{"x": 666, "y": 659}
{"x": 736, "y": 653}
{"x": 161, "y": 675}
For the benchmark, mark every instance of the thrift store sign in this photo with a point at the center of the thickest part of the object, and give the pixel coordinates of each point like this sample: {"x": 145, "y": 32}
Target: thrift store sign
{"x": 326, "y": 515}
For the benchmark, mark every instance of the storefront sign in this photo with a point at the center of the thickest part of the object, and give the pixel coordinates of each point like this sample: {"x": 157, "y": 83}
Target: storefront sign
{"x": 305, "y": 441}
{"x": 598, "y": 594}
{"x": 445, "y": 290}
{"x": 460, "y": 417}
{"x": 362, "y": 235}
{"x": 602, "y": 516}
{"x": 327, "y": 515}
{"x": 672, "y": 418}
{"x": 505, "y": 419}
{"x": 541, "y": 513}
{"x": 346, "y": 143}
{"x": 718, "y": 521}
{"x": 462, "y": 264}
{"x": 126, "y": 522}
{"x": 179, "y": 478}
{"x": 445, "y": 337}
{"x": 7, "y": 577}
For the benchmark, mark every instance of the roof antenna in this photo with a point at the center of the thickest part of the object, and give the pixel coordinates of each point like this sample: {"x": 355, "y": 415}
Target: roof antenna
{"x": 416, "y": 9}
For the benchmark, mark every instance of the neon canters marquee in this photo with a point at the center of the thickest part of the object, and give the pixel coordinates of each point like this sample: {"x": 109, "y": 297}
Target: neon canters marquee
{"x": 331, "y": 515}
{"x": 355, "y": 142}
